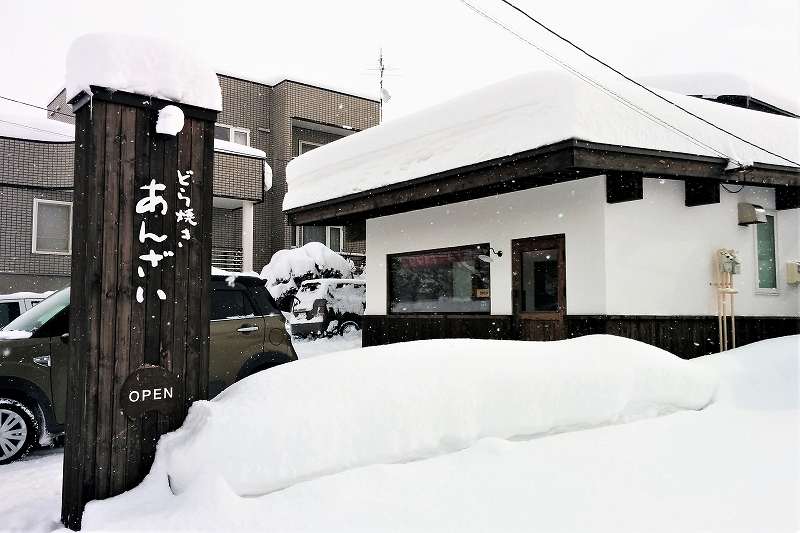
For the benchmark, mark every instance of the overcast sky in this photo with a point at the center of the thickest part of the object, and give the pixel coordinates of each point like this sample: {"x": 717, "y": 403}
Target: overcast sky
{"x": 436, "y": 48}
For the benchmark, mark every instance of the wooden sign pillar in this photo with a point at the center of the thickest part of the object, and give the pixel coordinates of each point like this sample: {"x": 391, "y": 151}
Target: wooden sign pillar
{"x": 141, "y": 265}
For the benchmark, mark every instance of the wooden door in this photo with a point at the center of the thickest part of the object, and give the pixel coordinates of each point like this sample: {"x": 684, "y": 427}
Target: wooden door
{"x": 539, "y": 287}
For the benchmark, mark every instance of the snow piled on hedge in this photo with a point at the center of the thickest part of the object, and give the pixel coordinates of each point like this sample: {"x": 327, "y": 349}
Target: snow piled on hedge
{"x": 408, "y": 401}
{"x": 289, "y": 268}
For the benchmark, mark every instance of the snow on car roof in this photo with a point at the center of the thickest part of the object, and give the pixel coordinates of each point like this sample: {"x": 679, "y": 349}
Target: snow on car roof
{"x": 141, "y": 65}
{"x": 25, "y": 295}
{"x": 523, "y": 113}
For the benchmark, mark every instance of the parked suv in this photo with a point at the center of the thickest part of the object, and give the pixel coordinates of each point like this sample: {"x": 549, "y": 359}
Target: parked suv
{"x": 13, "y": 305}
{"x": 248, "y": 334}
{"x": 327, "y": 307}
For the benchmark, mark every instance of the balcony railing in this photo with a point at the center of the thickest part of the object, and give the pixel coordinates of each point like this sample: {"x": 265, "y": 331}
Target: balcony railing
{"x": 227, "y": 259}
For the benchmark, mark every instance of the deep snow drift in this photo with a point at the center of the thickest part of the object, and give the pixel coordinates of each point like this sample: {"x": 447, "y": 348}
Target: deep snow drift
{"x": 408, "y": 401}
{"x": 730, "y": 467}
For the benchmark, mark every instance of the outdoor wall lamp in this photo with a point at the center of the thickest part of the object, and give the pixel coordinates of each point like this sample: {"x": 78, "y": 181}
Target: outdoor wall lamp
{"x": 488, "y": 258}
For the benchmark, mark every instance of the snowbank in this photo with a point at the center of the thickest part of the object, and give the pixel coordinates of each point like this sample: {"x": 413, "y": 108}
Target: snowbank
{"x": 141, "y": 65}
{"x": 731, "y": 467}
{"x": 408, "y": 401}
{"x": 760, "y": 376}
{"x": 523, "y": 113}
{"x": 289, "y": 268}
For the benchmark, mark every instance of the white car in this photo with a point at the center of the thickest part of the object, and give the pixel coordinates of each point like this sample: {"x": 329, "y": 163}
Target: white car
{"x": 13, "y": 305}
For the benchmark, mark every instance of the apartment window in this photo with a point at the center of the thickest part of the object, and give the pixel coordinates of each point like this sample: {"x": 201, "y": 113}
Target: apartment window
{"x": 330, "y": 236}
{"x": 231, "y": 134}
{"x": 766, "y": 256}
{"x": 449, "y": 280}
{"x": 52, "y": 227}
{"x": 306, "y": 146}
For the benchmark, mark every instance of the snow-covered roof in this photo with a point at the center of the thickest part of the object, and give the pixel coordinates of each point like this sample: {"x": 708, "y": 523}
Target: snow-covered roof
{"x": 238, "y": 149}
{"x": 722, "y": 83}
{"x": 36, "y": 128}
{"x": 523, "y": 113}
{"x": 302, "y": 79}
{"x": 141, "y": 65}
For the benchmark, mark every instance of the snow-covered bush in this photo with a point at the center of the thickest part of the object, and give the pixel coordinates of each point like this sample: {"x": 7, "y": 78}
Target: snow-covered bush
{"x": 289, "y": 268}
{"x": 405, "y": 401}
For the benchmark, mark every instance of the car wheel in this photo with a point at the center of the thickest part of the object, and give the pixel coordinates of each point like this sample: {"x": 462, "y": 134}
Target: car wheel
{"x": 18, "y": 429}
{"x": 348, "y": 328}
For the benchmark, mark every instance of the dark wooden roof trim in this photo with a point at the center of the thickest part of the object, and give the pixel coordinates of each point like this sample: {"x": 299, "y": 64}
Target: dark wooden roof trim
{"x": 562, "y": 161}
{"x": 141, "y": 101}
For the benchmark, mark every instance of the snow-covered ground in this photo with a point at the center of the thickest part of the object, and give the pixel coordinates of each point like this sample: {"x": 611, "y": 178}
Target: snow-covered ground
{"x": 732, "y": 466}
{"x": 30, "y": 492}
{"x": 306, "y": 348}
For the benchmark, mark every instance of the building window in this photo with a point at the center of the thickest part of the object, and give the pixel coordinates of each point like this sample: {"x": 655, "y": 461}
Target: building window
{"x": 52, "y": 227}
{"x": 306, "y": 146}
{"x": 330, "y": 236}
{"x": 766, "y": 263}
{"x": 231, "y": 134}
{"x": 451, "y": 280}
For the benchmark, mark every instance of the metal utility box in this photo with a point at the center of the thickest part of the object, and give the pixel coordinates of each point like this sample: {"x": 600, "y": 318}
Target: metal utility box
{"x": 793, "y": 272}
{"x": 751, "y": 214}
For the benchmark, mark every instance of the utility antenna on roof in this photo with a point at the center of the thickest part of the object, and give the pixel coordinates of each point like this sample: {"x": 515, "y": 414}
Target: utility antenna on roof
{"x": 383, "y": 94}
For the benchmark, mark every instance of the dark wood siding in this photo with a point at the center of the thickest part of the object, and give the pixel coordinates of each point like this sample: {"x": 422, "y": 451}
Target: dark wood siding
{"x": 116, "y": 152}
{"x": 687, "y": 336}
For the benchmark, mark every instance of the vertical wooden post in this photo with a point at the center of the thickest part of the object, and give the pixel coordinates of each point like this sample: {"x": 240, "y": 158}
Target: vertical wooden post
{"x": 110, "y": 445}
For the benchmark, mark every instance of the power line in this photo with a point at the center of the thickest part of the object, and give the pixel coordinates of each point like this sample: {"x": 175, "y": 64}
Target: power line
{"x": 628, "y": 78}
{"x": 624, "y": 101}
{"x": 36, "y": 106}
{"x": 36, "y": 129}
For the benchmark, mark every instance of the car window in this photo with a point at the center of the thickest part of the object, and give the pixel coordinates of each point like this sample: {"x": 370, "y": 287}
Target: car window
{"x": 8, "y": 312}
{"x": 264, "y": 300}
{"x": 230, "y": 304}
{"x": 41, "y": 314}
{"x": 56, "y": 326}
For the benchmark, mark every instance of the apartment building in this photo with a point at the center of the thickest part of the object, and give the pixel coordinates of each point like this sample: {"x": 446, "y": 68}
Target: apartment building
{"x": 261, "y": 128}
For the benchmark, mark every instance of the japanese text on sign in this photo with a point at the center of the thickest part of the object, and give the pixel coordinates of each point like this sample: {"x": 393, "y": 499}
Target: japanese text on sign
{"x": 154, "y": 203}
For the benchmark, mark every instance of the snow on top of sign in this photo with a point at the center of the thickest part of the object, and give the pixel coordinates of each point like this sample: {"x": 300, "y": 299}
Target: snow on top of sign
{"x": 35, "y": 128}
{"x": 141, "y": 65}
{"x": 523, "y": 113}
{"x": 722, "y": 83}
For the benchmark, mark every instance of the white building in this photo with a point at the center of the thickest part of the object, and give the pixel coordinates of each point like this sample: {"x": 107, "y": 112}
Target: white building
{"x": 544, "y": 207}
